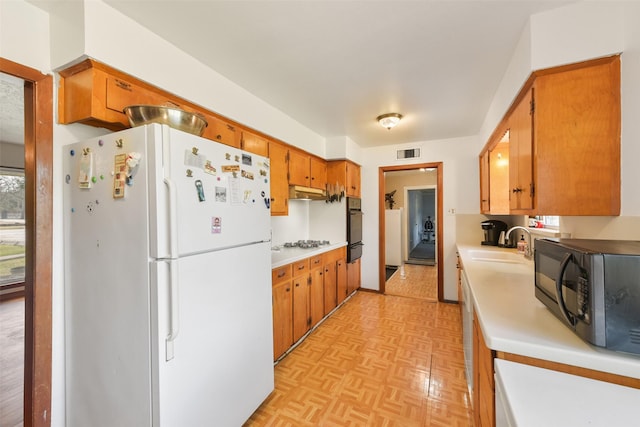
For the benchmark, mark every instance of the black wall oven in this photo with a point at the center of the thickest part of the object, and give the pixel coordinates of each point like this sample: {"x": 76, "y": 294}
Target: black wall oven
{"x": 354, "y": 228}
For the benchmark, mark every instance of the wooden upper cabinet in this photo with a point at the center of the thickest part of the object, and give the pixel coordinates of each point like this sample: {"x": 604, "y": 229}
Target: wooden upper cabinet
{"x": 564, "y": 142}
{"x": 521, "y": 182}
{"x": 299, "y": 172}
{"x": 499, "y": 177}
{"x": 255, "y": 143}
{"x": 278, "y": 159}
{"x": 221, "y": 131}
{"x": 353, "y": 179}
{"x": 83, "y": 97}
{"x": 346, "y": 174}
{"x": 318, "y": 173}
{"x": 484, "y": 182}
{"x": 94, "y": 94}
{"x": 577, "y": 140}
{"x": 307, "y": 170}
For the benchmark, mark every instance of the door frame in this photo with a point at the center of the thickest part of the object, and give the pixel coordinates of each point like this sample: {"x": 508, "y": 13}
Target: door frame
{"x": 38, "y": 169}
{"x": 381, "y": 221}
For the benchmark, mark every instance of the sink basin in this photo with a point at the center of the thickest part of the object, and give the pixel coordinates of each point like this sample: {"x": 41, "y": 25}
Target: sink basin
{"x": 496, "y": 256}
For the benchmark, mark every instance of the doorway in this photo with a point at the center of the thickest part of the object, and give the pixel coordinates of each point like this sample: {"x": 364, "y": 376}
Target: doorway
{"x": 38, "y": 232}
{"x": 423, "y": 220}
{"x": 436, "y": 169}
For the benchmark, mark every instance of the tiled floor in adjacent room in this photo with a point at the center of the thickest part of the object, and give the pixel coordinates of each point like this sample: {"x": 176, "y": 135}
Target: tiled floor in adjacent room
{"x": 378, "y": 361}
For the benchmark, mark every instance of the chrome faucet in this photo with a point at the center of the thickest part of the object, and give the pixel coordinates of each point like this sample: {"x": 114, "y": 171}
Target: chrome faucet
{"x": 527, "y": 252}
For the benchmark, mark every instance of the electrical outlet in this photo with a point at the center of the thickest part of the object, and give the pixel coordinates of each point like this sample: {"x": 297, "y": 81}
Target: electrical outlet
{"x": 451, "y": 211}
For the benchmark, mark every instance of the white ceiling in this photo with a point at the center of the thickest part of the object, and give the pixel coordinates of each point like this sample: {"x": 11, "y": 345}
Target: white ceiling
{"x": 335, "y": 65}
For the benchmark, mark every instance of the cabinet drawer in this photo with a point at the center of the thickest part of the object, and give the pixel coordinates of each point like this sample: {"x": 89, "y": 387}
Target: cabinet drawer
{"x": 280, "y": 274}
{"x": 316, "y": 261}
{"x": 300, "y": 267}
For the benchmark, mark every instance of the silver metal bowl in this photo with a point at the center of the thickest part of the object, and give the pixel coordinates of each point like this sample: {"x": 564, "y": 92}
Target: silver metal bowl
{"x": 176, "y": 118}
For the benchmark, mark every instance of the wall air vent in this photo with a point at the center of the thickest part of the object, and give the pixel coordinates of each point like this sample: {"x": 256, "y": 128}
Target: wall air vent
{"x": 411, "y": 153}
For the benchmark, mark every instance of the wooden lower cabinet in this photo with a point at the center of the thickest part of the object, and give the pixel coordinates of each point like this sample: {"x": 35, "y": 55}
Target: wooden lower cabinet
{"x": 330, "y": 286}
{"x": 341, "y": 280}
{"x": 316, "y": 296}
{"x": 300, "y": 299}
{"x": 483, "y": 380}
{"x": 304, "y": 292}
{"x": 282, "y": 306}
{"x": 353, "y": 276}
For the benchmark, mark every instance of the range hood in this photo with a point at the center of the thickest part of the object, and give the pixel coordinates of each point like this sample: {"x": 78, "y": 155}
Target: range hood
{"x": 306, "y": 193}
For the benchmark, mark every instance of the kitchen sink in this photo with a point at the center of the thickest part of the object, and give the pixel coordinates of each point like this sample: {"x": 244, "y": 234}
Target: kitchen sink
{"x": 497, "y": 256}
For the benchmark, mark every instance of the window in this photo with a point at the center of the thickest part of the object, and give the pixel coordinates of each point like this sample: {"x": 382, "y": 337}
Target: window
{"x": 12, "y": 236}
{"x": 548, "y": 221}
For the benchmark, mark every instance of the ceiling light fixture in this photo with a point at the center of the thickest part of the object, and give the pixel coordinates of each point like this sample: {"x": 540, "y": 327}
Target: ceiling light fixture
{"x": 389, "y": 120}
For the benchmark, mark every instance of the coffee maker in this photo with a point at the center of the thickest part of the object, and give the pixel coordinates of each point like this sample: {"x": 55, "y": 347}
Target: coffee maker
{"x": 492, "y": 229}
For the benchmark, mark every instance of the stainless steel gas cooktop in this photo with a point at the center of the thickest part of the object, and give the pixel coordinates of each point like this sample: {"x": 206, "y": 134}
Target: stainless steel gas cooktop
{"x": 306, "y": 244}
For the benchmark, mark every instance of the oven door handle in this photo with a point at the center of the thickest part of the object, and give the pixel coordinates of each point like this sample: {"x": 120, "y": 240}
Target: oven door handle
{"x": 563, "y": 307}
{"x": 356, "y": 244}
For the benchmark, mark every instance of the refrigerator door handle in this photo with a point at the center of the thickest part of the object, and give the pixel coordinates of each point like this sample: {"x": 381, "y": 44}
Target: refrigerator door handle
{"x": 174, "y": 317}
{"x": 173, "y": 218}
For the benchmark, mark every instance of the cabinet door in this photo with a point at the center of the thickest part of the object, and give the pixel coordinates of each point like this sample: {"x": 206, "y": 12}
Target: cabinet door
{"x": 521, "y": 157}
{"x": 484, "y": 182}
{"x": 353, "y": 272}
{"x": 299, "y": 168}
{"x": 483, "y": 382}
{"x": 279, "y": 184}
{"x": 341, "y": 280}
{"x": 499, "y": 177}
{"x": 282, "y": 318}
{"x": 255, "y": 144}
{"x": 318, "y": 169}
{"x": 577, "y": 140}
{"x": 330, "y": 286}
{"x": 300, "y": 306}
{"x": 220, "y": 131}
{"x": 316, "y": 296}
{"x": 353, "y": 180}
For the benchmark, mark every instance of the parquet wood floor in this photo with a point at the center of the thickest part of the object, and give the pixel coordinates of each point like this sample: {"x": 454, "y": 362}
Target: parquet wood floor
{"x": 377, "y": 361}
{"x": 11, "y": 362}
{"x": 419, "y": 281}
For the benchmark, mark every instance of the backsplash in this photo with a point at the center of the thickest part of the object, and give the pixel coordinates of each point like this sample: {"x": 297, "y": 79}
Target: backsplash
{"x": 601, "y": 227}
{"x": 315, "y": 220}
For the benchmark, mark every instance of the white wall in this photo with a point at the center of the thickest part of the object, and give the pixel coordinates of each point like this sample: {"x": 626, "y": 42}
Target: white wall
{"x": 460, "y": 194}
{"x": 158, "y": 62}
{"x": 24, "y": 34}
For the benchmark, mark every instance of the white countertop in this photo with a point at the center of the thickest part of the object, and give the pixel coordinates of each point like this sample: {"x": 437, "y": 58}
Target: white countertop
{"x": 283, "y": 256}
{"x": 514, "y": 321}
{"x": 540, "y": 397}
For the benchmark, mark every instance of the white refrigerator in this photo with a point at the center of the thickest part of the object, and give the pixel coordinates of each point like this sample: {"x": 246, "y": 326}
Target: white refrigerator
{"x": 167, "y": 281}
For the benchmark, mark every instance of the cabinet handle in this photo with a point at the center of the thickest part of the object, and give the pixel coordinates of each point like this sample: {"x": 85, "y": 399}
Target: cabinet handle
{"x": 301, "y": 267}
{"x": 288, "y": 289}
{"x": 218, "y": 136}
{"x": 297, "y": 285}
{"x": 281, "y": 274}
{"x": 517, "y": 190}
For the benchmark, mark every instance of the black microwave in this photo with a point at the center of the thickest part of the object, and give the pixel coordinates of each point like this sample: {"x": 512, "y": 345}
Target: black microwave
{"x": 593, "y": 287}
